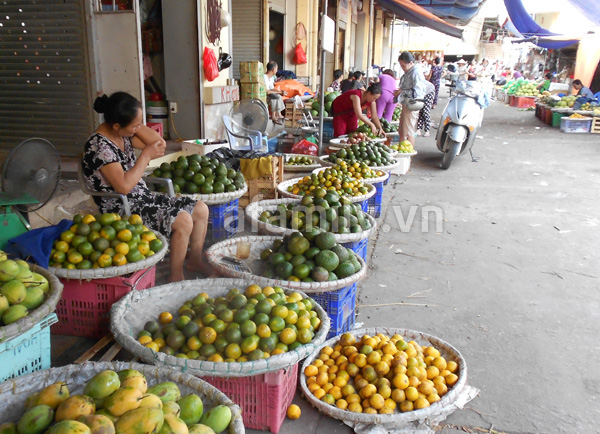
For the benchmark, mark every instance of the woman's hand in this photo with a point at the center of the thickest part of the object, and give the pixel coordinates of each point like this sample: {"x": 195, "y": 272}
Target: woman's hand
{"x": 154, "y": 150}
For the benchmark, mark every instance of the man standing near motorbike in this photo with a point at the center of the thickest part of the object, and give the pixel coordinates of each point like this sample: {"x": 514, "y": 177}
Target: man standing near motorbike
{"x": 412, "y": 86}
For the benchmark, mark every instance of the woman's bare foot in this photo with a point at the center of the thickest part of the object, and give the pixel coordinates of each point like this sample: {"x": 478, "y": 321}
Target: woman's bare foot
{"x": 177, "y": 277}
{"x": 202, "y": 267}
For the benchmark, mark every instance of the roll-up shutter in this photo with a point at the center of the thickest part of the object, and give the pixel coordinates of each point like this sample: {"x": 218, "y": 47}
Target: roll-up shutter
{"x": 247, "y": 20}
{"x": 44, "y": 74}
{"x": 278, "y": 6}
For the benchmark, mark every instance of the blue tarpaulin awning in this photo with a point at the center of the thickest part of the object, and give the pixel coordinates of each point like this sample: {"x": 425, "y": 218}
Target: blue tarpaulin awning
{"x": 462, "y": 10}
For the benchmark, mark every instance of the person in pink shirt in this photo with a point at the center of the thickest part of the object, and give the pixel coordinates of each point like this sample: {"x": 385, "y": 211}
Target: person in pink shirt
{"x": 385, "y": 103}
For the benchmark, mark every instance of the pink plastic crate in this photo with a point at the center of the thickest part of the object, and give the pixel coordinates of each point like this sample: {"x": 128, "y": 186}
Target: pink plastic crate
{"x": 156, "y": 126}
{"x": 263, "y": 398}
{"x": 84, "y": 308}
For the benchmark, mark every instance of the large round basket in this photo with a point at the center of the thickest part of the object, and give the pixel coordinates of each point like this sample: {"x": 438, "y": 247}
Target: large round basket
{"x": 14, "y": 393}
{"x": 218, "y": 198}
{"x": 378, "y": 139}
{"x": 283, "y": 186}
{"x": 105, "y": 273}
{"x": 405, "y": 154}
{"x": 374, "y": 180}
{"x": 307, "y": 168}
{"x": 128, "y": 316}
{"x": 398, "y": 422}
{"x": 326, "y": 162}
{"x": 226, "y": 248}
{"x": 254, "y": 210}
{"x": 36, "y": 315}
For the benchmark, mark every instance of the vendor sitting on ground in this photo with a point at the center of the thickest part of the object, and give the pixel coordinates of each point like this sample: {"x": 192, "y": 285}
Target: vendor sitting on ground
{"x": 274, "y": 96}
{"x": 348, "y": 109}
{"x": 110, "y": 165}
{"x": 582, "y": 90}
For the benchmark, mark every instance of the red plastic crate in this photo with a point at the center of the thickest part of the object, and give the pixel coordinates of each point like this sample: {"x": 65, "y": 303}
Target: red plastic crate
{"x": 263, "y": 398}
{"x": 84, "y": 309}
{"x": 524, "y": 101}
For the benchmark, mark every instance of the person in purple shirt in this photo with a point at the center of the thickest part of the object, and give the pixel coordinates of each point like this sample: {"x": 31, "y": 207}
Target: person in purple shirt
{"x": 385, "y": 103}
{"x": 517, "y": 74}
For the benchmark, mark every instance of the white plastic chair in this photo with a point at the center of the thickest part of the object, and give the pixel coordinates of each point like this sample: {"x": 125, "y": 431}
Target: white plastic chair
{"x": 243, "y": 139}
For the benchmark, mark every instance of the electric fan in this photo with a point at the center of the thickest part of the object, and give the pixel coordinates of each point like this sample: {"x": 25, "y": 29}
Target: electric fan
{"x": 251, "y": 114}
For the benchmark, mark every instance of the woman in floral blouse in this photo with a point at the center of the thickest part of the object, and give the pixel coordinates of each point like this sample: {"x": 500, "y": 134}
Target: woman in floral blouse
{"x": 110, "y": 165}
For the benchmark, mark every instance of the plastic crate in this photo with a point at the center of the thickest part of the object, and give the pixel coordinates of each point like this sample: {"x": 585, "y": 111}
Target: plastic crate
{"x": 327, "y": 131}
{"x": 374, "y": 202}
{"x": 358, "y": 247}
{"x": 364, "y": 205}
{"x": 84, "y": 309}
{"x": 556, "y": 117}
{"x": 388, "y": 179}
{"x": 524, "y": 101}
{"x": 575, "y": 125}
{"x": 263, "y": 398}
{"x": 28, "y": 352}
{"x": 548, "y": 119}
{"x": 222, "y": 222}
{"x": 340, "y": 305}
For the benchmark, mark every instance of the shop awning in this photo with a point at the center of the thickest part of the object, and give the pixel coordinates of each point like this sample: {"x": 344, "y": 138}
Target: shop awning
{"x": 529, "y": 28}
{"x": 589, "y": 8}
{"x": 407, "y": 10}
{"x": 462, "y": 10}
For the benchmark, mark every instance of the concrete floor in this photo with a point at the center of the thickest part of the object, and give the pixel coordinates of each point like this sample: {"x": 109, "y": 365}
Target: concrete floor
{"x": 511, "y": 280}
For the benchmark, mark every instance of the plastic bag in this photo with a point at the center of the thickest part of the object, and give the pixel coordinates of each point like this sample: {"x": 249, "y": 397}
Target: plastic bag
{"x": 305, "y": 147}
{"x": 211, "y": 69}
{"x": 300, "y": 56}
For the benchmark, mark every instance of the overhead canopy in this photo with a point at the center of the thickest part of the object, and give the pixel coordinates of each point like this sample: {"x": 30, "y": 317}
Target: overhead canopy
{"x": 529, "y": 28}
{"x": 407, "y": 10}
{"x": 589, "y": 8}
{"x": 462, "y": 10}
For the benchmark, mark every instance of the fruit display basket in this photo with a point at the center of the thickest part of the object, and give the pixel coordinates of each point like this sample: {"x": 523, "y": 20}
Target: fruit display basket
{"x": 253, "y": 266}
{"x": 307, "y": 168}
{"x": 376, "y": 180}
{"x": 122, "y": 270}
{"x": 254, "y": 210}
{"x": 219, "y": 198}
{"x": 14, "y": 393}
{"x": 263, "y": 388}
{"x": 85, "y": 305}
{"x": 412, "y": 421}
{"x": 325, "y": 162}
{"x": 33, "y": 319}
{"x": 377, "y": 139}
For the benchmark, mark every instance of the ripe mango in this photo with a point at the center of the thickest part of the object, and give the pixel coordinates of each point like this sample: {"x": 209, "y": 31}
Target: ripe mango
{"x": 25, "y": 275}
{"x": 167, "y": 391}
{"x": 136, "y": 383}
{"x": 173, "y": 425}
{"x": 126, "y": 373}
{"x": 105, "y": 412}
{"x": 34, "y": 297}
{"x": 13, "y": 290}
{"x": 52, "y": 395}
{"x": 191, "y": 409}
{"x": 140, "y": 421}
{"x": 75, "y": 406}
{"x": 3, "y": 257}
{"x": 123, "y": 400}
{"x": 8, "y": 427}
{"x": 198, "y": 428}
{"x": 9, "y": 269}
{"x": 150, "y": 401}
{"x": 102, "y": 385}
{"x": 171, "y": 408}
{"x": 40, "y": 282}
{"x": 14, "y": 313}
{"x": 69, "y": 427}
{"x": 4, "y": 304}
{"x": 98, "y": 424}
{"x": 36, "y": 420}
{"x": 217, "y": 418}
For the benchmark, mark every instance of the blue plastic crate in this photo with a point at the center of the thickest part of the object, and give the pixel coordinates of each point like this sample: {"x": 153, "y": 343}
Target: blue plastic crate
{"x": 327, "y": 131}
{"x": 340, "y": 305}
{"x": 222, "y": 222}
{"x": 359, "y": 247}
{"x": 29, "y": 352}
{"x": 364, "y": 205}
{"x": 388, "y": 179}
{"x": 374, "y": 206}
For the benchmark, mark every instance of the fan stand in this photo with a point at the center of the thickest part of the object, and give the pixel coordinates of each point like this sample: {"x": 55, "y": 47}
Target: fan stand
{"x": 12, "y": 221}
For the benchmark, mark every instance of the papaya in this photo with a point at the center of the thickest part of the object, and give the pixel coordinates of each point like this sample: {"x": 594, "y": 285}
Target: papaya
{"x": 136, "y": 383}
{"x": 102, "y": 385}
{"x": 14, "y": 313}
{"x": 173, "y": 425}
{"x": 126, "y": 373}
{"x": 98, "y": 424}
{"x": 69, "y": 427}
{"x": 198, "y": 428}
{"x": 151, "y": 401}
{"x": 75, "y": 406}
{"x": 171, "y": 408}
{"x": 167, "y": 391}
{"x": 8, "y": 427}
{"x": 191, "y": 409}
{"x": 34, "y": 297}
{"x": 36, "y": 420}
{"x": 140, "y": 421}
{"x": 217, "y": 418}
{"x": 123, "y": 400}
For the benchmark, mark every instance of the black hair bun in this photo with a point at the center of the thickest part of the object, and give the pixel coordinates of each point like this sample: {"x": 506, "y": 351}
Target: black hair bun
{"x": 101, "y": 104}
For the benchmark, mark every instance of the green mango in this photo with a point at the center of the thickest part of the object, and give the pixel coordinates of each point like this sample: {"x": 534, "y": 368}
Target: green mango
{"x": 217, "y": 418}
{"x": 8, "y": 427}
{"x": 171, "y": 408}
{"x": 69, "y": 427}
{"x": 34, "y": 298}
{"x": 102, "y": 385}
{"x": 14, "y": 313}
{"x": 191, "y": 409}
{"x": 200, "y": 429}
{"x": 173, "y": 425}
{"x": 36, "y": 420}
{"x": 167, "y": 391}
{"x": 98, "y": 424}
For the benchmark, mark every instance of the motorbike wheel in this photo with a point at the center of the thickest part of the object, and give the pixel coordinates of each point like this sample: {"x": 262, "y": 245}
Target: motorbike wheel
{"x": 452, "y": 150}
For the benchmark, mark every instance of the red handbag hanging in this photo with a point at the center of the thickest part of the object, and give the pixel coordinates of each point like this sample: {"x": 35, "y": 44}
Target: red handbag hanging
{"x": 300, "y": 55}
{"x": 209, "y": 60}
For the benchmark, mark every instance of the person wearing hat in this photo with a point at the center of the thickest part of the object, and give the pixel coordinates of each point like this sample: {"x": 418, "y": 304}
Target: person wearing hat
{"x": 463, "y": 71}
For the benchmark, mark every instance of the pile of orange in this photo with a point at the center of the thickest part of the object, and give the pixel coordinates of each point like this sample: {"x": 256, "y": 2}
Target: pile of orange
{"x": 253, "y": 325}
{"x": 356, "y": 170}
{"x": 380, "y": 374}
{"x": 102, "y": 241}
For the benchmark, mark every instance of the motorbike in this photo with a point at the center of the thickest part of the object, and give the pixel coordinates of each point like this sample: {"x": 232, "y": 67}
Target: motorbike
{"x": 461, "y": 120}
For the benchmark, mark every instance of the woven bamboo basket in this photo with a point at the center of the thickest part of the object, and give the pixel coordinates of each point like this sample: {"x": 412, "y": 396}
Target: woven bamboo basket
{"x": 283, "y": 186}
{"x": 375, "y": 180}
{"x": 307, "y": 168}
{"x": 326, "y": 162}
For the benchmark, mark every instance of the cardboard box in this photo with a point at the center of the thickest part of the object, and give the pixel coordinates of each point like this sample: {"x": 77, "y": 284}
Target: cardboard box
{"x": 189, "y": 147}
{"x": 252, "y": 72}
{"x": 221, "y": 94}
{"x": 253, "y": 91}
